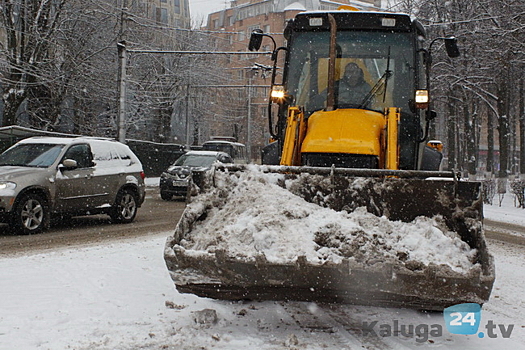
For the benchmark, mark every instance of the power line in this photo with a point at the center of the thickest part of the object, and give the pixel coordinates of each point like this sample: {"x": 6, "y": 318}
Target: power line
{"x": 201, "y": 52}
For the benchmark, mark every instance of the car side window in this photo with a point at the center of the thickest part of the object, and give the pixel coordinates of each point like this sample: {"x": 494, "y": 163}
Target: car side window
{"x": 81, "y": 154}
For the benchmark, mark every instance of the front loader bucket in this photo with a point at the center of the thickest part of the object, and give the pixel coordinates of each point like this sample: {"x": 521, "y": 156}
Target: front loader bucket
{"x": 367, "y": 263}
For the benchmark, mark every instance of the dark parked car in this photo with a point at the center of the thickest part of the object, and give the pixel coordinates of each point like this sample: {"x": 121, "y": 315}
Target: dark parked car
{"x": 176, "y": 179}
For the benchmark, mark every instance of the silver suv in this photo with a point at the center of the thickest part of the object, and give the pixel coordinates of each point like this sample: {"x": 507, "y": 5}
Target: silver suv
{"x": 45, "y": 176}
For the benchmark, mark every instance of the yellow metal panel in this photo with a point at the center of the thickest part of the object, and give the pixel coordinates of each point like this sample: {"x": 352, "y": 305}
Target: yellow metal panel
{"x": 353, "y": 131}
{"x": 392, "y": 147}
{"x": 295, "y": 131}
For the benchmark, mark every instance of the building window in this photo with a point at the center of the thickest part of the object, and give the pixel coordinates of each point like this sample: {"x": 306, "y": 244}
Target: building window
{"x": 186, "y": 8}
{"x": 176, "y": 4}
{"x": 243, "y": 14}
{"x": 163, "y": 0}
{"x": 162, "y": 15}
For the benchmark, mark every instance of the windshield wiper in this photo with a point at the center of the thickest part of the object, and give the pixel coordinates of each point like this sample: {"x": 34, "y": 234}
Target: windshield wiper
{"x": 380, "y": 85}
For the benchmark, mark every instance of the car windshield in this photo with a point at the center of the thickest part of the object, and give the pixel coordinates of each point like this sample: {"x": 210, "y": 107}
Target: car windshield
{"x": 194, "y": 160}
{"x": 40, "y": 155}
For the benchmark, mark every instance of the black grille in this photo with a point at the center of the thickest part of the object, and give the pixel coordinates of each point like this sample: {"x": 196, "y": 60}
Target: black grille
{"x": 341, "y": 160}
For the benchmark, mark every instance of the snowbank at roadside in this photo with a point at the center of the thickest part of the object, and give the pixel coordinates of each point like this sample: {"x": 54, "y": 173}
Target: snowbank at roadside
{"x": 507, "y": 212}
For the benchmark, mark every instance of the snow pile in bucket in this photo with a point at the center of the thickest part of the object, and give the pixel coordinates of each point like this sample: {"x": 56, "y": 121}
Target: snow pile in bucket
{"x": 252, "y": 215}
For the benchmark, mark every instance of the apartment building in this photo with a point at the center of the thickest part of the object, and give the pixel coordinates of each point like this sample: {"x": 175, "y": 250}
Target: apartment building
{"x": 173, "y": 13}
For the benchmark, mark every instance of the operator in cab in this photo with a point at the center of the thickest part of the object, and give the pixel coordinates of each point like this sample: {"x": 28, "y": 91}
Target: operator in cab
{"x": 352, "y": 87}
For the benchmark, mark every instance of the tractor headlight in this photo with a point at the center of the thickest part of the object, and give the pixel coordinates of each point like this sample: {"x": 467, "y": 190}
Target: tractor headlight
{"x": 422, "y": 99}
{"x": 277, "y": 94}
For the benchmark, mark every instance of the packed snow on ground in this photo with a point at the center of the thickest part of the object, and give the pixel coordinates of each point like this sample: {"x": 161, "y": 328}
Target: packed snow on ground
{"x": 119, "y": 296}
{"x": 253, "y": 215}
{"x": 507, "y": 211}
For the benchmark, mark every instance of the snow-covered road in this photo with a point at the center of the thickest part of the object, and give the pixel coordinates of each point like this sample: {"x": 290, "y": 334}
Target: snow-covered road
{"x": 119, "y": 296}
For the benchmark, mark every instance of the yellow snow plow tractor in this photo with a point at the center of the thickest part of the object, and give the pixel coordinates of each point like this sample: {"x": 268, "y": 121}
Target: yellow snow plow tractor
{"x": 349, "y": 205}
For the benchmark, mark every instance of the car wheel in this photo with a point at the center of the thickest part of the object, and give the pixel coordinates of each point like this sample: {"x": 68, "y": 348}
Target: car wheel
{"x": 30, "y": 214}
{"x": 125, "y": 208}
{"x": 165, "y": 195}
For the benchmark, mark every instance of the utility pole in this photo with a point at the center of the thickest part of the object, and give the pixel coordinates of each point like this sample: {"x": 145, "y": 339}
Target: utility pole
{"x": 188, "y": 129}
{"x": 189, "y": 110}
{"x": 122, "y": 54}
{"x": 122, "y": 91}
{"x": 252, "y": 72}
{"x": 249, "y": 126}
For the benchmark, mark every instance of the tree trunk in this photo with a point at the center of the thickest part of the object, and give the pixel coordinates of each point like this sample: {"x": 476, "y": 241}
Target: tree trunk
{"x": 163, "y": 124}
{"x": 490, "y": 143}
{"x": 12, "y": 102}
{"x": 470, "y": 142}
{"x": 503, "y": 129}
{"x": 451, "y": 133}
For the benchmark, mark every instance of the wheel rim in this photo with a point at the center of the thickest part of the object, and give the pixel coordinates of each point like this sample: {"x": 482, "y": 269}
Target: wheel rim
{"x": 32, "y": 214}
{"x": 128, "y": 206}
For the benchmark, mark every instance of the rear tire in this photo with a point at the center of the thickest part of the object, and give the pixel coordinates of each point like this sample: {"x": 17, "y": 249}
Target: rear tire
{"x": 125, "y": 208}
{"x": 30, "y": 214}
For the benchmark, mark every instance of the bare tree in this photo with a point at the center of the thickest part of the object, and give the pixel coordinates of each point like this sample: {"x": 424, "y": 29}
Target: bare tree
{"x": 59, "y": 61}
{"x": 27, "y": 51}
{"x": 483, "y": 82}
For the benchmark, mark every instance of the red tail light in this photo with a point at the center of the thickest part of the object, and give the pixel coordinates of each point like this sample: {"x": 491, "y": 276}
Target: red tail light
{"x": 142, "y": 175}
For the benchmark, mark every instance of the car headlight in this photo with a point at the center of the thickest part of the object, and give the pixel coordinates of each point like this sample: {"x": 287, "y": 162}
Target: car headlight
{"x": 7, "y": 185}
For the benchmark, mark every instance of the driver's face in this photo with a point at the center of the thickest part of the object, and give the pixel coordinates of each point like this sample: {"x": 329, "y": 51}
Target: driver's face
{"x": 352, "y": 74}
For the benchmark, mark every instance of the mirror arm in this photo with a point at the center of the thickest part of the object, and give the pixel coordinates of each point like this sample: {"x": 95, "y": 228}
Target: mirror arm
{"x": 275, "y": 55}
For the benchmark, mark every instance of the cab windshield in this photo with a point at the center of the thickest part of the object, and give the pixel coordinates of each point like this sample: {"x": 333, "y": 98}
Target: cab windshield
{"x": 383, "y": 62}
{"x": 40, "y": 155}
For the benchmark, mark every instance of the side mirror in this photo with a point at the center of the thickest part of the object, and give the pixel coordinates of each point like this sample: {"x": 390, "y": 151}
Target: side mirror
{"x": 451, "y": 46}
{"x": 69, "y": 164}
{"x": 255, "y": 40}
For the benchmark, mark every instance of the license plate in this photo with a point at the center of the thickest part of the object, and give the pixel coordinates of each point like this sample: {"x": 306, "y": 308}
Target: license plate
{"x": 180, "y": 183}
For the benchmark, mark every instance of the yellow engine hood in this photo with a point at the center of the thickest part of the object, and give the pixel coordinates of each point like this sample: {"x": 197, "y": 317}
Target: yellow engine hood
{"x": 355, "y": 131}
